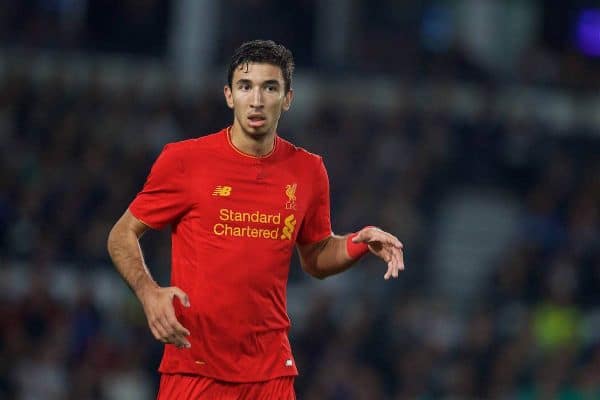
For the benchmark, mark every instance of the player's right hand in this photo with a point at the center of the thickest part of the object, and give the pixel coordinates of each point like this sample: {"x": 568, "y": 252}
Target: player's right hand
{"x": 160, "y": 313}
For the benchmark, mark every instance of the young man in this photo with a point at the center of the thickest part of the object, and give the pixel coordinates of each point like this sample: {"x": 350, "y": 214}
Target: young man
{"x": 238, "y": 202}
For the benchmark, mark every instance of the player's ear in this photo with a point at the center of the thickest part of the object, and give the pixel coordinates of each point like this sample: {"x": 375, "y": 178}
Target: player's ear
{"x": 228, "y": 96}
{"x": 287, "y": 100}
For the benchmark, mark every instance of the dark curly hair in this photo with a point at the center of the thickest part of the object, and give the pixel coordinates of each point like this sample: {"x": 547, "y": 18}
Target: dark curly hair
{"x": 263, "y": 51}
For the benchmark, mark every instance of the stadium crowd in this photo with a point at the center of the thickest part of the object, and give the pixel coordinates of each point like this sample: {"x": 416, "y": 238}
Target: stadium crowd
{"x": 73, "y": 157}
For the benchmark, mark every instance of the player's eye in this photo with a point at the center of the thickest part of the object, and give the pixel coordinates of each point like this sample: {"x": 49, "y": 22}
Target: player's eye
{"x": 271, "y": 88}
{"x": 244, "y": 86}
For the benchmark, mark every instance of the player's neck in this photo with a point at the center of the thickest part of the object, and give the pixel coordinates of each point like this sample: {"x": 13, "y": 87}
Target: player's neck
{"x": 257, "y": 146}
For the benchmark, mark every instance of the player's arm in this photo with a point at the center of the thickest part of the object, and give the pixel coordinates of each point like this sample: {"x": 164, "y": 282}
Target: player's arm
{"x": 126, "y": 254}
{"x": 336, "y": 254}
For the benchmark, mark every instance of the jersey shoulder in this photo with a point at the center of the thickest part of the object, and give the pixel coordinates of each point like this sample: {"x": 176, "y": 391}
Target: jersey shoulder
{"x": 299, "y": 153}
{"x": 191, "y": 147}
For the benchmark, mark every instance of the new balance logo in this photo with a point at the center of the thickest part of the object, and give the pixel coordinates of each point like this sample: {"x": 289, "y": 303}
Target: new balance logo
{"x": 222, "y": 191}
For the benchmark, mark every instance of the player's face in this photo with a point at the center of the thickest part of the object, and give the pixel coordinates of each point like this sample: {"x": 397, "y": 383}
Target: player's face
{"x": 257, "y": 97}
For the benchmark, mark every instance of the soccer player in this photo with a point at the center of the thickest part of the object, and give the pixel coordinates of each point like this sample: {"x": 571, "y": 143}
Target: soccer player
{"x": 238, "y": 201}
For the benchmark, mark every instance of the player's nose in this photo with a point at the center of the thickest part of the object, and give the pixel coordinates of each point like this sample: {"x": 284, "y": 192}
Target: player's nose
{"x": 257, "y": 98}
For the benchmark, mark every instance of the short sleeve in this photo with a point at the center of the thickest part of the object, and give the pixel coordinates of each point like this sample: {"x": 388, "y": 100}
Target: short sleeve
{"x": 164, "y": 197}
{"x": 316, "y": 225}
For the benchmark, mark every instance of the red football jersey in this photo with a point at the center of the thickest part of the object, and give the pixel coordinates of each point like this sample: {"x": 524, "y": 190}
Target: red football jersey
{"x": 235, "y": 219}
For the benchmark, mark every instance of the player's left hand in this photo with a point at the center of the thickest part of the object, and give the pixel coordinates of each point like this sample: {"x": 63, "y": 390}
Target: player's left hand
{"x": 385, "y": 246}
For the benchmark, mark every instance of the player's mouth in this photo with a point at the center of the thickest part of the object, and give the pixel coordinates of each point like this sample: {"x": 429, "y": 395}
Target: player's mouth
{"x": 256, "y": 120}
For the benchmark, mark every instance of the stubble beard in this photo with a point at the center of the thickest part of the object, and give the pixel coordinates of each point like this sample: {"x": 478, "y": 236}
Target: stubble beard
{"x": 258, "y": 134}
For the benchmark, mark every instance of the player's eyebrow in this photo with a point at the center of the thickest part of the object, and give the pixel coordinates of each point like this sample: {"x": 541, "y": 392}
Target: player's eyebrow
{"x": 271, "y": 82}
{"x": 244, "y": 81}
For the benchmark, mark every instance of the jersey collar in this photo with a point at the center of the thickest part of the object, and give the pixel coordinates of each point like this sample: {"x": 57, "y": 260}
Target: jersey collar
{"x": 268, "y": 156}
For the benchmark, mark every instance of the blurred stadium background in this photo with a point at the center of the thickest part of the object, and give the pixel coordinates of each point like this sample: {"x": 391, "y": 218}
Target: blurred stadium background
{"x": 470, "y": 128}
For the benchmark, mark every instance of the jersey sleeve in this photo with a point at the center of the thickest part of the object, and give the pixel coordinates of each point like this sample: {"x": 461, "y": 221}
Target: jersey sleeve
{"x": 164, "y": 197}
{"x": 316, "y": 225}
